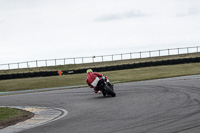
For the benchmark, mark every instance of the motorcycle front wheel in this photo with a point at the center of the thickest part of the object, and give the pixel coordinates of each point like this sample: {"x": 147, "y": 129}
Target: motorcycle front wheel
{"x": 109, "y": 91}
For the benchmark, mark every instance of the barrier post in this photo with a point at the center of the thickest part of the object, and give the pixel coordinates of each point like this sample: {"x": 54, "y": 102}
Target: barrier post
{"x": 60, "y": 72}
{"x": 93, "y": 58}
{"x": 46, "y": 62}
{"x": 178, "y": 51}
{"x": 36, "y": 63}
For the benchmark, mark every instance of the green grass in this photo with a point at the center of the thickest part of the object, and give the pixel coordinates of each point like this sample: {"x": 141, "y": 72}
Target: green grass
{"x": 128, "y": 75}
{"x": 99, "y": 64}
{"x": 156, "y": 72}
{"x": 8, "y": 114}
{"x": 11, "y": 116}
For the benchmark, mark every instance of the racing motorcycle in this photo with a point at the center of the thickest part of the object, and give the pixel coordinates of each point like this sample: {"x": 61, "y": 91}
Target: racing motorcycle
{"x": 106, "y": 88}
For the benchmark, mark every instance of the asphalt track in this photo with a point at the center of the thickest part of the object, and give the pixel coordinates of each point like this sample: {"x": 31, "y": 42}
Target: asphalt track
{"x": 155, "y": 106}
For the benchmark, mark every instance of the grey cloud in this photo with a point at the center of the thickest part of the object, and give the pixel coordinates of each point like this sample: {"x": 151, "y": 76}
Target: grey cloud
{"x": 191, "y": 12}
{"x": 2, "y": 21}
{"x": 125, "y": 15}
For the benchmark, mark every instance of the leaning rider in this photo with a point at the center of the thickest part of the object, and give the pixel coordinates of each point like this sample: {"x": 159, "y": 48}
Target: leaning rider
{"x": 92, "y": 80}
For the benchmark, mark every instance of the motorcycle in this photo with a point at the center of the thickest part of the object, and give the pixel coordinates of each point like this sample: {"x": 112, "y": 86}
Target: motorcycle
{"x": 106, "y": 88}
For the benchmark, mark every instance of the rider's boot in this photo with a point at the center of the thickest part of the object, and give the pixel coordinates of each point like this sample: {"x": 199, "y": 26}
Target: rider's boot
{"x": 99, "y": 92}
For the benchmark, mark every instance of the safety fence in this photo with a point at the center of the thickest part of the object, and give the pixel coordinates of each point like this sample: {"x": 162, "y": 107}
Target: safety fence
{"x": 93, "y": 59}
{"x": 101, "y": 69}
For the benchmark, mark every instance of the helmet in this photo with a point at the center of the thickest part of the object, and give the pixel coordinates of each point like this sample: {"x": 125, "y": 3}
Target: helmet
{"x": 89, "y": 71}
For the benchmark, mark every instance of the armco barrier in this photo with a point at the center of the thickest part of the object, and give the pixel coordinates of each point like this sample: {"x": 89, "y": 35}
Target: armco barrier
{"x": 101, "y": 69}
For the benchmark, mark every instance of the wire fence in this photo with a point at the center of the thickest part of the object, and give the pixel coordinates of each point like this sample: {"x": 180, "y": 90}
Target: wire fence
{"x": 103, "y": 58}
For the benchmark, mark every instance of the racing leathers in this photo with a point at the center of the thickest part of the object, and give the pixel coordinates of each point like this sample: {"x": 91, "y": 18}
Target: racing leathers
{"x": 93, "y": 79}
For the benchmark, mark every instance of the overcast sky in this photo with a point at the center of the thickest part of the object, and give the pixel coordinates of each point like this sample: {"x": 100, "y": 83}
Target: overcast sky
{"x": 48, "y": 29}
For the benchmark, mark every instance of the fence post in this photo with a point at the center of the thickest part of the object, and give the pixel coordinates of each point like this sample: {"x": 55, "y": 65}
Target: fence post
{"x": 102, "y": 58}
{"x": 74, "y": 60}
{"x": 36, "y": 62}
{"x": 27, "y": 65}
{"x": 121, "y": 57}
{"x": 178, "y": 51}
{"x": 168, "y": 52}
{"x": 82, "y": 60}
{"x": 130, "y": 56}
{"x": 93, "y": 58}
{"x": 159, "y": 52}
{"x": 46, "y": 62}
{"x": 112, "y": 57}
{"x": 150, "y": 54}
{"x": 9, "y": 66}
{"x": 197, "y": 49}
{"x": 140, "y": 55}
{"x": 187, "y": 50}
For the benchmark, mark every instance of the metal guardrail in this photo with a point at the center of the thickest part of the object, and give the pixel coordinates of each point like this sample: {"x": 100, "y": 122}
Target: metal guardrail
{"x": 92, "y": 59}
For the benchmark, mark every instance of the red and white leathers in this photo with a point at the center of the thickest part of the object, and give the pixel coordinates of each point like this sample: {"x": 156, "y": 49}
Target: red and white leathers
{"x": 93, "y": 79}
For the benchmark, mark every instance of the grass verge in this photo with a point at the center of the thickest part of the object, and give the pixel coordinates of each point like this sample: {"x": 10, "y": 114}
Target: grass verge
{"x": 11, "y": 116}
{"x": 128, "y": 75}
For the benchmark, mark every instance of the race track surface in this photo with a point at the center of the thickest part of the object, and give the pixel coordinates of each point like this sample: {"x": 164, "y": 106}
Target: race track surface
{"x": 155, "y": 106}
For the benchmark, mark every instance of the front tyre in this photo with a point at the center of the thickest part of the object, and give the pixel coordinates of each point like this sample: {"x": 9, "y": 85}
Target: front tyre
{"x": 109, "y": 91}
{"x": 104, "y": 93}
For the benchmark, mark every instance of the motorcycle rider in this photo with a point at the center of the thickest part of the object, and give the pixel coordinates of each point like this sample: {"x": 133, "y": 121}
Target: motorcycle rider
{"x": 93, "y": 79}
